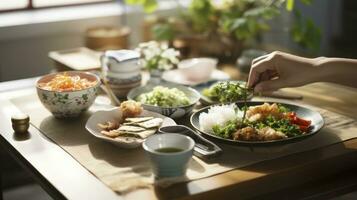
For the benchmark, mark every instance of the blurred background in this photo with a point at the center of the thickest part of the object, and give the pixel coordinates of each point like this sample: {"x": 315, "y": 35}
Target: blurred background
{"x": 40, "y": 36}
{"x": 30, "y": 29}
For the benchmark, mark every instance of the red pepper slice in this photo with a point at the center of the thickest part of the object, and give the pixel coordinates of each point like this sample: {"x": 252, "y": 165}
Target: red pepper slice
{"x": 293, "y": 120}
{"x": 304, "y": 128}
{"x": 302, "y": 122}
{"x": 291, "y": 114}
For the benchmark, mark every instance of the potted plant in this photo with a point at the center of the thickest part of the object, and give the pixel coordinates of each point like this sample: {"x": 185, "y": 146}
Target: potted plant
{"x": 223, "y": 28}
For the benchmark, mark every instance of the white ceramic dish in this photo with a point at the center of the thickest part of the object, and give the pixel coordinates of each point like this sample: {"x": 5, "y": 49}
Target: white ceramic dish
{"x": 175, "y": 76}
{"x": 115, "y": 114}
{"x": 120, "y": 61}
{"x": 172, "y": 112}
{"x": 197, "y": 69}
{"x": 123, "y": 75}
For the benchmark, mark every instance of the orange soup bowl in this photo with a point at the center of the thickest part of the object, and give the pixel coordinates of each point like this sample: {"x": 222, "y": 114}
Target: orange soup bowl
{"x": 68, "y": 94}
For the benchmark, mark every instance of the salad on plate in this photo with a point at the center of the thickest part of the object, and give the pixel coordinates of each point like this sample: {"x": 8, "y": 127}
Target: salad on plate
{"x": 265, "y": 122}
{"x": 226, "y": 92}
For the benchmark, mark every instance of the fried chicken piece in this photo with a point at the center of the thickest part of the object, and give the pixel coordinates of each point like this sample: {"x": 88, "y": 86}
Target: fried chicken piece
{"x": 131, "y": 108}
{"x": 268, "y": 133}
{"x": 108, "y": 126}
{"x": 259, "y": 113}
{"x": 247, "y": 134}
{"x": 112, "y": 133}
{"x": 252, "y": 134}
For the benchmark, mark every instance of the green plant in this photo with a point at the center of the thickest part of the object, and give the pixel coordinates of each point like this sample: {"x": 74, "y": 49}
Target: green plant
{"x": 241, "y": 20}
{"x": 148, "y": 5}
{"x": 303, "y": 31}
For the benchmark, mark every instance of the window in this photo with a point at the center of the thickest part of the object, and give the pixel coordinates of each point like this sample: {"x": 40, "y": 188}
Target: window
{"x": 48, "y": 3}
{"x": 13, "y": 4}
{"x": 10, "y": 5}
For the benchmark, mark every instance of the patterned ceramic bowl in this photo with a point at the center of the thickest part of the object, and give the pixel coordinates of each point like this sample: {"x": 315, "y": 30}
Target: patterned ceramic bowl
{"x": 68, "y": 103}
{"x": 172, "y": 112}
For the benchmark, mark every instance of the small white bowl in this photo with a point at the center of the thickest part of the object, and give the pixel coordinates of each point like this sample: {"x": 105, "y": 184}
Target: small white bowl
{"x": 198, "y": 68}
{"x": 169, "y": 164}
{"x": 123, "y": 75}
{"x": 120, "y": 61}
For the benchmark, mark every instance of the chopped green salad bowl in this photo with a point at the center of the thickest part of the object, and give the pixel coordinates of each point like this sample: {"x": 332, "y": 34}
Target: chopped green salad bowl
{"x": 225, "y": 92}
{"x": 171, "y": 100}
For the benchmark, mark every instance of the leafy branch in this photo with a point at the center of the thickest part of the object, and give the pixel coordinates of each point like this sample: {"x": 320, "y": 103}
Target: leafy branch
{"x": 241, "y": 20}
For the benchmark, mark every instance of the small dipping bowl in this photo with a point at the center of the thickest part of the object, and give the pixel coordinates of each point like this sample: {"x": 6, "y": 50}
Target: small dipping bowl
{"x": 169, "y": 164}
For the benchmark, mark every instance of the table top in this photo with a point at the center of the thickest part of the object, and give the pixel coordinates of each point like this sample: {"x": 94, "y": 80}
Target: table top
{"x": 64, "y": 178}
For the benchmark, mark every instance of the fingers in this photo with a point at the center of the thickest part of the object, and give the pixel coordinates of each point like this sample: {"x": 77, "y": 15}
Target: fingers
{"x": 258, "y": 68}
{"x": 259, "y": 58}
{"x": 270, "y": 85}
{"x": 268, "y": 75}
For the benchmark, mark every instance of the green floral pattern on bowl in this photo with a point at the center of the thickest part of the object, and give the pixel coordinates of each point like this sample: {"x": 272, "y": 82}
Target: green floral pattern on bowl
{"x": 67, "y": 104}
{"x": 70, "y": 103}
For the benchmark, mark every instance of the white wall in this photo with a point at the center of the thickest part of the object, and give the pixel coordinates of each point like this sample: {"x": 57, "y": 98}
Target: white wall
{"x": 25, "y": 44}
{"x": 26, "y": 38}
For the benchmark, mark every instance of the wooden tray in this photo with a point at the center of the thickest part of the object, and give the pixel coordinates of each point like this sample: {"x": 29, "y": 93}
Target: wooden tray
{"x": 81, "y": 59}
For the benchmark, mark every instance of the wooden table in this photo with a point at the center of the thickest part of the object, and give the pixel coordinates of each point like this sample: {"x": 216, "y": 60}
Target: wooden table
{"x": 317, "y": 174}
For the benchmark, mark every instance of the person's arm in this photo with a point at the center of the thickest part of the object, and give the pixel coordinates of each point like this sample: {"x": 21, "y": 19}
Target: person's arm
{"x": 279, "y": 70}
{"x": 338, "y": 70}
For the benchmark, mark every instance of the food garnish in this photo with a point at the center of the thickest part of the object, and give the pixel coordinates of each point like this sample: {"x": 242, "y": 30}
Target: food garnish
{"x": 226, "y": 91}
{"x": 131, "y": 108}
{"x": 164, "y": 97}
{"x": 264, "y": 122}
{"x": 107, "y": 126}
{"x": 65, "y": 83}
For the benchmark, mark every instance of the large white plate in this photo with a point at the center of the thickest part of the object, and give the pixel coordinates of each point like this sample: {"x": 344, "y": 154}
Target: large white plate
{"x": 115, "y": 115}
{"x": 176, "y": 76}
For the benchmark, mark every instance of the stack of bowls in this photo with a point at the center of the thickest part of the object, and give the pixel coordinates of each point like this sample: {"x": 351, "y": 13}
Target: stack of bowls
{"x": 121, "y": 71}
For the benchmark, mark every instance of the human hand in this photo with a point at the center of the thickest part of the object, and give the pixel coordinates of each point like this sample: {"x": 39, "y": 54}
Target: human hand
{"x": 278, "y": 70}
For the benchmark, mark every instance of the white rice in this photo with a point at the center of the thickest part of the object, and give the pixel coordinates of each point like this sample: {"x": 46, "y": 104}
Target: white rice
{"x": 217, "y": 115}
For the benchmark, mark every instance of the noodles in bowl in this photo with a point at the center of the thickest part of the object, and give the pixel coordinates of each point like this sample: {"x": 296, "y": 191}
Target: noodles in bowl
{"x": 68, "y": 94}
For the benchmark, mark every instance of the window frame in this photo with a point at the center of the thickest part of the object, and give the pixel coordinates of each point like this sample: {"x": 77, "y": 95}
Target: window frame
{"x": 31, "y": 7}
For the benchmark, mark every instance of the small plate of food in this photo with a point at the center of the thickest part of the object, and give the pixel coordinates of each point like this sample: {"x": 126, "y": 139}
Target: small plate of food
{"x": 127, "y": 126}
{"x": 225, "y": 92}
{"x": 257, "y": 123}
{"x": 168, "y": 99}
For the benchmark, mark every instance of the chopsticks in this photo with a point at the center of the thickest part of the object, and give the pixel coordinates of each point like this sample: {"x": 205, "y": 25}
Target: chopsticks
{"x": 106, "y": 88}
{"x": 282, "y": 95}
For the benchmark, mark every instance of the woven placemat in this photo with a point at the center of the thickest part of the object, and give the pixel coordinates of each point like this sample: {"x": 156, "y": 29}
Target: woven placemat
{"x": 124, "y": 170}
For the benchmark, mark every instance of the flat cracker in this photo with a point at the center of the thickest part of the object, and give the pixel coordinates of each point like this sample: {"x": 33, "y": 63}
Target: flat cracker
{"x": 138, "y": 119}
{"x": 130, "y": 128}
{"x": 141, "y": 134}
{"x": 153, "y": 123}
{"x": 111, "y": 134}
